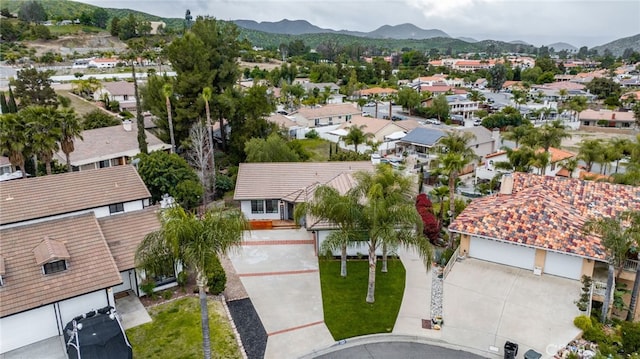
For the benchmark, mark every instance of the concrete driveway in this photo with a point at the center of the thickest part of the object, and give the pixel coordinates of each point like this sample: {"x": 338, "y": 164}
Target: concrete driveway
{"x": 279, "y": 270}
{"x": 487, "y": 304}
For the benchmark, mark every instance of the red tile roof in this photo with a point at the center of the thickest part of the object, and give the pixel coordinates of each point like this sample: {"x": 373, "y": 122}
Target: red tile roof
{"x": 548, "y": 213}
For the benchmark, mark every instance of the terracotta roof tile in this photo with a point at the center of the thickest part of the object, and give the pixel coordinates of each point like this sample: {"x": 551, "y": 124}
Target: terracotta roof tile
{"x": 548, "y": 212}
{"x": 50, "y": 250}
{"x": 58, "y": 194}
{"x": 124, "y": 232}
{"x": 90, "y": 266}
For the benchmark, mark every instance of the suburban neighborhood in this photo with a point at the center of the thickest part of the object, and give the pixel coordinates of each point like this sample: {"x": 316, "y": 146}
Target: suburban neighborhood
{"x": 183, "y": 187}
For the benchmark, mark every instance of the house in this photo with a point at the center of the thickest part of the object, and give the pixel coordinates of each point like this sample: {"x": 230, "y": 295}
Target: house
{"x": 333, "y": 114}
{"x": 121, "y": 91}
{"x": 484, "y": 142}
{"x": 67, "y": 243}
{"x": 104, "y": 63}
{"x": 109, "y": 146}
{"x": 606, "y": 118}
{"x": 419, "y": 142}
{"x": 270, "y": 191}
{"x": 554, "y": 168}
{"x": 377, "y": 91}
{"x": 461, "y": 105}
{"x": 382, "y": 131}
{"x": 536, "y": 222}
{"x": 7, "y": 170}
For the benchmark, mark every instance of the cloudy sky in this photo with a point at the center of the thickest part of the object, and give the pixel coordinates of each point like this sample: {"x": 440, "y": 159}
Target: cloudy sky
{"x": 539, "y": 22}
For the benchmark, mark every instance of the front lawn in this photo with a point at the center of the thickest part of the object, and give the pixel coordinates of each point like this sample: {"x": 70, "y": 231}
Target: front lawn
{"x": 346, "y": 313}
{"x": 317, "y": 148}
{"x": 175, "y": 332}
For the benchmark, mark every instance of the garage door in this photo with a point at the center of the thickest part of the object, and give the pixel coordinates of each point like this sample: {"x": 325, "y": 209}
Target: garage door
{"x": 28, "y": 327}
{"x": 563, "y": 265}
{"x": 502, "y": 252}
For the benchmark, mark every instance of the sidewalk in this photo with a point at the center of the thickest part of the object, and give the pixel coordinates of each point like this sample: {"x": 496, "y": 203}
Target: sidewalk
{"x": 416, "y": 302}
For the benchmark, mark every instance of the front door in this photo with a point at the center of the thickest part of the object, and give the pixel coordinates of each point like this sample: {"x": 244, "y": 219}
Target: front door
{"x": 290, "y": 211}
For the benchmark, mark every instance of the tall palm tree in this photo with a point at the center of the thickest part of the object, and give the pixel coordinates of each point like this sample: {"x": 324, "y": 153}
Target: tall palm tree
{"x": 440, "y": 193}
{"x": 389, "y": 216}
{"x": 192, "y": 241}
{"x": 620, "y": 147}
{"x": 617, "y": 238}
{"x": 341, "y": 209}
{"x": 13, "y": 140}
{"x": 517, "y": 133}
{"x": 207, "y": 93}
{"x": 71, "y": 129}
{"x": 455, "y": 155}
{"x": 590, "y": 151}
{"x": 167, "y": 92}
{"x": 356, "y": 136}
{"x": 43, "y": 132}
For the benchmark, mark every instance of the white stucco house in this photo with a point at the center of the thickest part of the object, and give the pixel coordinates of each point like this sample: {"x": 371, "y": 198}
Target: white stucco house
{"x": 121, "y": 91}
{"x": 67, "y": 243}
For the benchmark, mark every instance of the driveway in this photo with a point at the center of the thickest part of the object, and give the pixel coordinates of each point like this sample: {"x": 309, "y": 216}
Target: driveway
{"x": 279, "y": 270}
{"x": 487, "y": 304}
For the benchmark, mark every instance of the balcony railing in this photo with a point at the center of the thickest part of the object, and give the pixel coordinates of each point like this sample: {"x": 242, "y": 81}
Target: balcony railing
{"x": 631, "y": 265}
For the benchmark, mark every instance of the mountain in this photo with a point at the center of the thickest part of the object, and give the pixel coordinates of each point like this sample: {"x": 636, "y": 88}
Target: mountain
{"x": 617, "y": 47}
{"x": 519, "y": 42}
{"x": 290, "y": 27}
{"x": 405, "y": 31}
{"x": 559, "y": 46}
{"x": 299, "y": 27}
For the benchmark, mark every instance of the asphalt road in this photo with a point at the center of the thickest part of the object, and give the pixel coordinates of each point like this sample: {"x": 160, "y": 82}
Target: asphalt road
{"x": 394, "y": 350}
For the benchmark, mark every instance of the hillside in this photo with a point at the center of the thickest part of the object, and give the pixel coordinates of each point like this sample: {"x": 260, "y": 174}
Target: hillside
{"x": 285, "y": 26}
{"x": 405, "y": 31}
{"x": 617, "y": 47}
{"x": 559, "y": 46}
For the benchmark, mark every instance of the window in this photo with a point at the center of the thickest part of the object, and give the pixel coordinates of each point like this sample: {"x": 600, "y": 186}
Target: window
{"x": 125, "y": 97}
{"x": 257, "y": 206}
{"x": 272, "y": 205}
{"x": 1, "y": 282}
{"x": 55, "y": 267}
{"x": 116, "y": 208}
{"x": 105, "y": 163}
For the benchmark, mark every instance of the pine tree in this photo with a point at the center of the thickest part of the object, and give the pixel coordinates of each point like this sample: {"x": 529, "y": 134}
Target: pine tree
{"x": 3, "y": 103}
{"x": 13, "y": 107}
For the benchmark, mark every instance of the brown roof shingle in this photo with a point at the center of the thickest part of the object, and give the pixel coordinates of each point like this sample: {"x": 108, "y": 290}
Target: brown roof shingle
{"x": 45, "y": 196}
{"x": 90, "y": 266}
{"x": 548, "y": 212}
{"x": 125, "y": 231}
{"x": 50, "y": 250}
{"x": 277, "y": 180}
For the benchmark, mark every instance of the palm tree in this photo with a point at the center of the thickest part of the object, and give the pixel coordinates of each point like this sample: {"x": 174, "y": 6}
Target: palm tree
{"x": 341, "y": 209}
{"x": 167, "y": 92}
{"x": 356, "y": 136}
{"x": 634, "y": 229}
{"x": 389, "y": 216}
{"x": 207, "y": 93}
{"x": 517, "y": 133}
{"x": 13, "y": 140}
{"x": 440, "y": 193}
{"x": 590, "y": 151}
{"x": 71, "y": 129}
{"x": 455, "y": 155}
{"x": 620, "y": 147}
{"x": 43, "y": 131}
{"x": 617, "y": 238}
{"x": 192, "y": 241}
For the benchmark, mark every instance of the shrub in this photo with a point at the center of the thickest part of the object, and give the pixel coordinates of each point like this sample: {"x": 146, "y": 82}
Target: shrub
{"x": 167, "y": 294}
{"x": 446, "y": 255}
{"x": 224, "y": 184}
{"x": 217, "y": 278}
{"x": 583, "y": 323}
{"x": 147, "y": 286}
{"x": 312, "y": 134}
{"x": 182, "y": 279}
{"x": 630, "y": 337}
{"x": 596, "y": 334}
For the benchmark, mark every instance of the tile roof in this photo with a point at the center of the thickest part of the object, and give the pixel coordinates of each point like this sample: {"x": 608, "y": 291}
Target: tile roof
{"x": 606, "y": 115}
{"x": 277, "y": 180}
{"x": 423, "y": 136}
{"x": 45, "y": 196}
{"x": 371, "y": 125}
{"x": 90, "y": 266}
{"x": 377, "y": 90}
{"x": 482, "y": 135}
{"x": 329, "y": 110}
{"x": 124, "y": 232}
{"x": 277, "y": 118}
{"x": 109, "y": 142}
{"x": 548, "y": 213}
{"x": 50, "y": 250}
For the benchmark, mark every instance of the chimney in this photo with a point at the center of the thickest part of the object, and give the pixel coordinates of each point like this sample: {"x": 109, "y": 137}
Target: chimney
{"x": 613, "y": 116}
{"x": 506, "y": 186}
{"x": 126, "y": 124}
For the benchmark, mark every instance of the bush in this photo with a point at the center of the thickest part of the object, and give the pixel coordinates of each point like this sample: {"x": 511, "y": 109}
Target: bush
{"x": 224, "y": 184}
{"x": 147, "y": 286}
{"x": 217, "y": 278}
{"x": 312, "y": 134}
{"x": 446, "y": 255}
{"x": 167, "y": 294}
{"x": 182, "y": 279}
{"x": 596, "y": 334}
{"x": 124, "y": 113}
{"x": 630, "y": 337}
{"x": 583, "y": 323}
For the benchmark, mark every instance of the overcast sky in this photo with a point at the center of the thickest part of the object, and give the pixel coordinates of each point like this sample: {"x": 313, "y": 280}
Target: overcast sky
{"x": 539, "y": 22}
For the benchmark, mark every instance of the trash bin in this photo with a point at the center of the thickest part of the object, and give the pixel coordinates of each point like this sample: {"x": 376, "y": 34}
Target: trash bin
{"x": 510, "y": 350}
{"x": 532, "y": 354}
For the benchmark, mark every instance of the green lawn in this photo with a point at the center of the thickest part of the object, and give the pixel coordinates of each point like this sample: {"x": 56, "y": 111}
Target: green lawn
{"x": 346, "y": 312}
{"x": 81, "y": 106}
{"x": 317, "y": 147}
{"x": 175, "y": 332}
